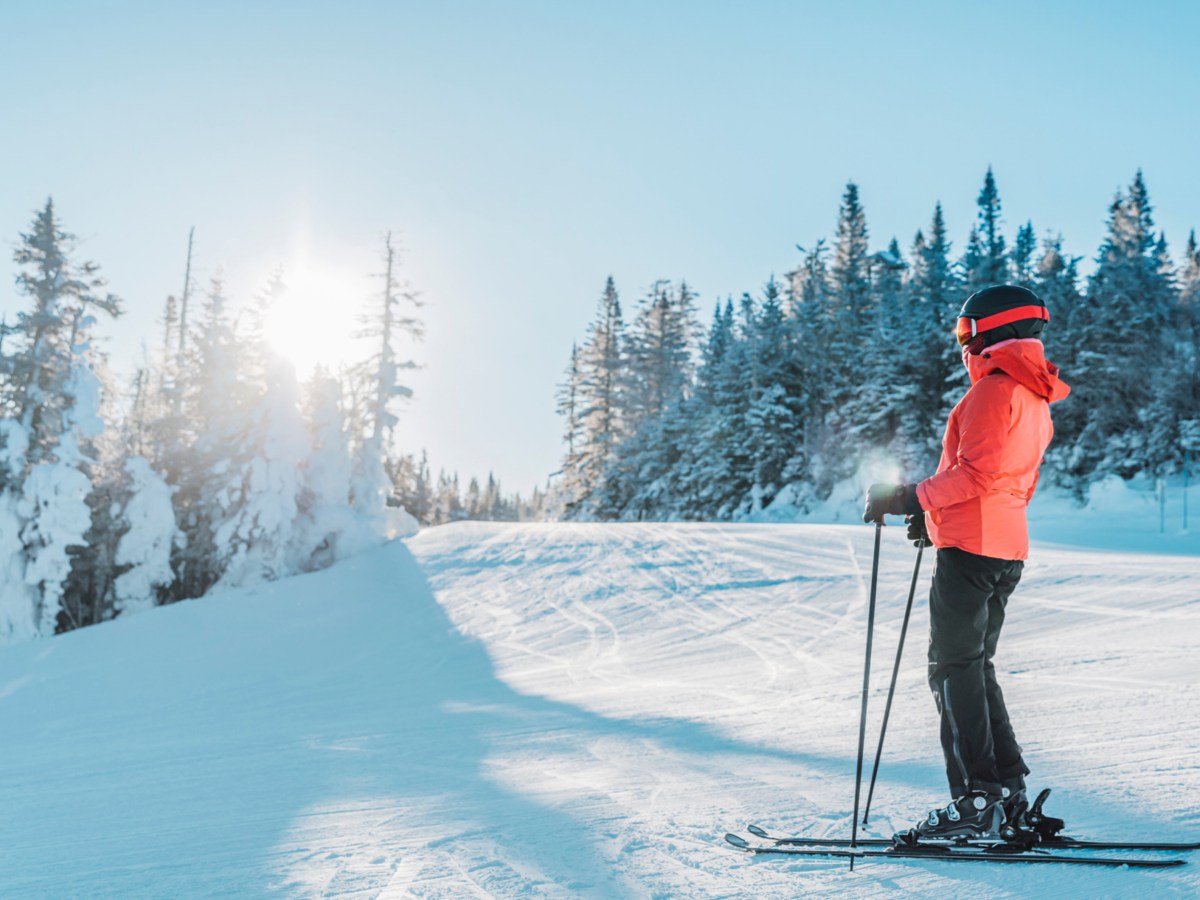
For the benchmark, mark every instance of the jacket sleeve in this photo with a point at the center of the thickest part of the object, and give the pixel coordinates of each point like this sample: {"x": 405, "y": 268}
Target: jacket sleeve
{"x": 984, "y": 422}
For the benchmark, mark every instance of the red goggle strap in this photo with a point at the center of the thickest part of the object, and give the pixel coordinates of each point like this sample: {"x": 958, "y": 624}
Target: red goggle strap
{"x": 1007, "y": 318}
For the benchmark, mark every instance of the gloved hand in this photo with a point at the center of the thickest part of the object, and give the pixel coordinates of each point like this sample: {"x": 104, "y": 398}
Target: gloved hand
{"x": 891, "y": 499}
{"x": 917, "y": 532}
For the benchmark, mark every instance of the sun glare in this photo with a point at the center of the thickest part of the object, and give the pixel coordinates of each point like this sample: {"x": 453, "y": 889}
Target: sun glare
{"x": 312, "y": 322}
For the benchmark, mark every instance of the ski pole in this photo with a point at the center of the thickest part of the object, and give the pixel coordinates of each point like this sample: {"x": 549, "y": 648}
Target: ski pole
{"x": 892, "y": 688}
{"x": 862, "y": 719}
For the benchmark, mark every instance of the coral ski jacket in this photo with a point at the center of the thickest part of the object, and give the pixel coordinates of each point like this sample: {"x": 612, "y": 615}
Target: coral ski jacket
{"x": 991, "y": 452}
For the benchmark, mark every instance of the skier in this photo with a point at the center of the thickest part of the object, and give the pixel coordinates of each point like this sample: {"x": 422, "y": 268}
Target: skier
{"x": 973, "y": 511}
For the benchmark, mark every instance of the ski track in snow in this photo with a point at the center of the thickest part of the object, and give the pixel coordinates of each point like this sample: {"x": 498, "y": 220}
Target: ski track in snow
{"x": 576, "y": 710}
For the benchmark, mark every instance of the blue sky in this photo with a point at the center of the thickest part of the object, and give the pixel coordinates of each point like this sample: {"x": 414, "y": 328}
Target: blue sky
{"x": 526, "y": 151}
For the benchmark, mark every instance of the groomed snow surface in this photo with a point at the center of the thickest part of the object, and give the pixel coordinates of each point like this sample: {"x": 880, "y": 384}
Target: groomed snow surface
{"x": 580, "y": 711}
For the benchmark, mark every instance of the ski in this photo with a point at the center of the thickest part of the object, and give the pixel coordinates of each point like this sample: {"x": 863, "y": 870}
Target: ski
{"x": 1055, "y": 843}
{"x": 948, "y": 854}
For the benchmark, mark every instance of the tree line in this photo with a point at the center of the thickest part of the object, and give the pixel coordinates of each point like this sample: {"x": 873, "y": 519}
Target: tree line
{"x": 441, "y": 500}
{"x": 850, "y": 356}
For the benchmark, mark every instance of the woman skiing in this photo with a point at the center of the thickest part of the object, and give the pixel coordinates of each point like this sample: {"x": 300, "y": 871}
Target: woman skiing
{"x": 974, "y": 511}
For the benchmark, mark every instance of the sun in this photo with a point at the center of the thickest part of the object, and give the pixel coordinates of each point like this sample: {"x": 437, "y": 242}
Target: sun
{"x": 311, "y": 322}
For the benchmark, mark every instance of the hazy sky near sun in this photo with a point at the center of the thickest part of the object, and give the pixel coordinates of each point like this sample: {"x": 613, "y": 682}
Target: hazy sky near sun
{"x": 527, "y": 150}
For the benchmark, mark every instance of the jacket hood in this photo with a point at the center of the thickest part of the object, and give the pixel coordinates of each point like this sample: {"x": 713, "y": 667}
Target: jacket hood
{"x": 1023, "y": 360}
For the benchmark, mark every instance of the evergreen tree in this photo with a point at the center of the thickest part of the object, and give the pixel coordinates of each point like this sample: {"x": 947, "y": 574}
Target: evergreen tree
{"x": 256, "y": 537}
{"x": 1189, "y": 277}
{"x": 53, "y": 394}
{"x": 143, "y": 553}
{"x": 1128, "y": 299}
{"x": 17, "y": 602}
{"x": 706, "y": 480}
{"x": 62, "y": 295}
{"x": 600, "y": 410}
{"x": 881, "y": 401}
{"x": 1056, "y": 282}
{"x": 391, "y": 320}
{"x": 210, "y": 471}
{"x": 473, "y": 502}
{"x": 929, "y": 363}
{"x": 657, "y": 378}
{"x": 327, "y": 473}
{"x": 773, "y": 408}
{"x": 728, "y": 475}
{"x": 1023, "y": 262}
{"x": 852, "y": 313}
{"x": 851, "y": 298}
{"x": 567, "y": 399}
{"x": 986, "y": 260}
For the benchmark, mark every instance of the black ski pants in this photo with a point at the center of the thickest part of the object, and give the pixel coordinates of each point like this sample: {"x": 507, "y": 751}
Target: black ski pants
{"x": 966, "y": 613}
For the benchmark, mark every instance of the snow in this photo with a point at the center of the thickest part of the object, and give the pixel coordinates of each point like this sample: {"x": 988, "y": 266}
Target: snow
{"x": 144, "y": 550}
{"x": 56, "y": 515}
{"x": 581, "y": 710}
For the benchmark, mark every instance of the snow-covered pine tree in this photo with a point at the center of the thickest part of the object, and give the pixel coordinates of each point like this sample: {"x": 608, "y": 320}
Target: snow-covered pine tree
{"x": 706, "y": 480}
{"x": 930, "y": 361}
{"x": 448, "y": 504}
{"x": 493, "y": 505}
{"x": 567, "y": 405}
{"x": 810, "y": 368}
{"x": 255, "y": 537}
{"x": 17, "y": 602}
{"x": 986, "y": 259}
{"x": 1118, "y": 328}
{"x": 851, "y": 315}
{"x": 725, "y": 428}
{"x": 62, "y": 296}
{"x": 209, "y": 470}
{"x": 473, "y": 502}
{"x": 170, "y": 428}
{"x": 49, "y": 367}
{"x": 659, "y": 367}
{"x": 326, "y": 528}
{"x": 852, "y": 303}
{"x": 878, "y": 405}
{"x": 1023, "y": 256}
{"x": 54, "y": 504}
{"x": 1172, "y": 379}
{"x": 657, "y": 378}
{"x": 143, "y": 552}
{"x": 774, "y": 410}
{"x": 392, "y": 319}
{"x": 1189, "y": 275}
{"x": 1056, "y": 281}
{"x": 1189, "y": 349}
{"x": 599, "y": 397}
{"x": 808, "y": 283}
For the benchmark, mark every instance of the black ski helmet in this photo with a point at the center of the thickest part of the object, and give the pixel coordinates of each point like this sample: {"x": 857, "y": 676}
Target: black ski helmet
{"x": 1000, "y": 313}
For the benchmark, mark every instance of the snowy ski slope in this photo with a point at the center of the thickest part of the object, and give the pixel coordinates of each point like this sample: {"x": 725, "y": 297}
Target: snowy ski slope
{"x": 578, "y": 710}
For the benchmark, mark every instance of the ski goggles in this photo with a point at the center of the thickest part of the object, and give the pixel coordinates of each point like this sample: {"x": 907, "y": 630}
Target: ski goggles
{"x": 968, "y": 328}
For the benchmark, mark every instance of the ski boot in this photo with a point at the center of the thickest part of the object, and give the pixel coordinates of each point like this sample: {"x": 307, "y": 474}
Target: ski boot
{"x": 974, "y": 816}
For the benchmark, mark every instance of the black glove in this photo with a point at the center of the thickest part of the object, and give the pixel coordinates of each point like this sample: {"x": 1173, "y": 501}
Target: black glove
{"x": 917, "y": 532}
{"x": 891, "y": 499}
